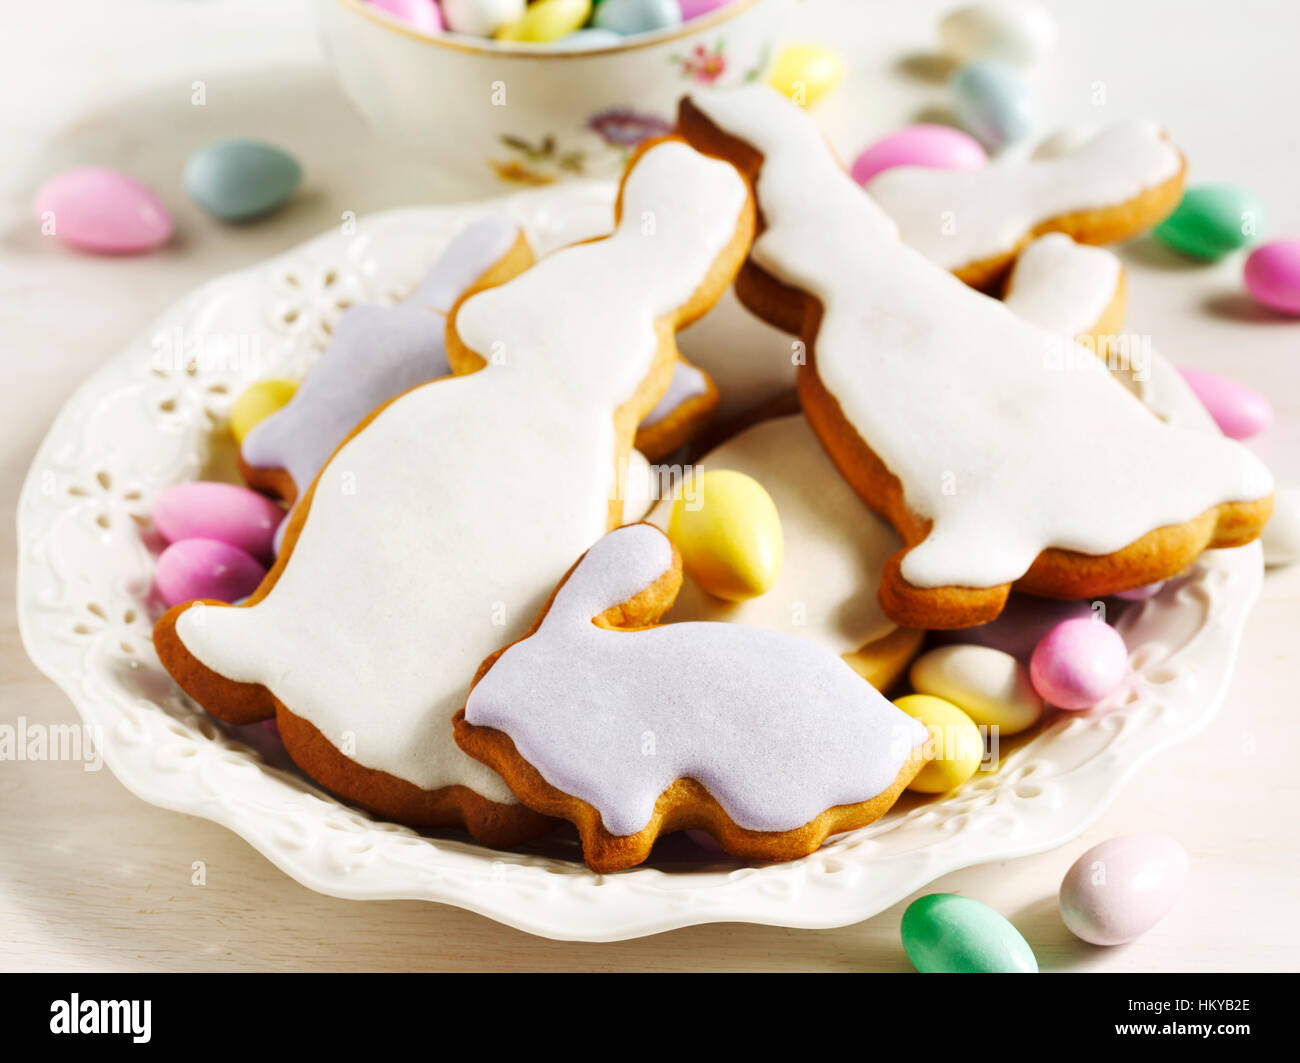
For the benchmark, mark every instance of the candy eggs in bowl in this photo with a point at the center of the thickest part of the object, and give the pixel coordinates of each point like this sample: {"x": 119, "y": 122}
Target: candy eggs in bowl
{"x": 505, "y": 111}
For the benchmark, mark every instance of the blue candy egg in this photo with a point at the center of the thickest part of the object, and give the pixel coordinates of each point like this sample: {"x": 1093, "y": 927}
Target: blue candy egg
{"x": 240, "y": 179}
{"x": 637, "y": 16}
{"x": 993, "y": 102}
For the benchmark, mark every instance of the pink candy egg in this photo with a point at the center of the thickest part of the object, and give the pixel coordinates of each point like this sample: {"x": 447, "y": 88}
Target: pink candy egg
{"x": 1273, "y": 275}
{"x": 101, "y": 210}
{"x": 1239, "y": 411}
{"x": 1120, "y": 889}
{"x": 938, "y": 147}
{"x": 206, "y": 568}
{"x": 423, "y": 15}
{"x": 226, "y": 512}
{"x": 695, "y": 8}
{"x": 1078, "y": 663}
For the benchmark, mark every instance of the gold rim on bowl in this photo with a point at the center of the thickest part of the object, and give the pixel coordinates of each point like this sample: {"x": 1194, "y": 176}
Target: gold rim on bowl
{"x": 516, "y": 49}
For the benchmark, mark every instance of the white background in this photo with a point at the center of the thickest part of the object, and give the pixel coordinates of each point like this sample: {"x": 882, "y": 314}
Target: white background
{"x": 93, "y": 878}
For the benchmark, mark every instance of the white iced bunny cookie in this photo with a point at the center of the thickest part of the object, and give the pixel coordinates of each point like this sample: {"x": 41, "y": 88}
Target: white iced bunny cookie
{"x": 835, "y": 547}
{"x": 767, "y": 741}
{"x": 435, "y": 532}
{"x": 1116, "y": 185}
{"x": 940, "y": 407}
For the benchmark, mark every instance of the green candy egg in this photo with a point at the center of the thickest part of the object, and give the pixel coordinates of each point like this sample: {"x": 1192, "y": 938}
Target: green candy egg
{"x": 240, "y": 179}
{"x": 1212, "y": 221}
{"x": 944, "y": 933}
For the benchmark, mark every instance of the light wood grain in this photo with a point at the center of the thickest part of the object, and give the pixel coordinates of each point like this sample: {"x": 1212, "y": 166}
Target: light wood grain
{"x": 92, "y": 878}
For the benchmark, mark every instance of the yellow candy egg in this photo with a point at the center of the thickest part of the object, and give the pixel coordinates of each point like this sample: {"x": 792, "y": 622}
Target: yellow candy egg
{"x": 958, "y": 745}
{"x": 726, "y": 526}
{"x": 547, "y": 20}
{"x": 258, "y": 403}
{"x": 806, "y": 72}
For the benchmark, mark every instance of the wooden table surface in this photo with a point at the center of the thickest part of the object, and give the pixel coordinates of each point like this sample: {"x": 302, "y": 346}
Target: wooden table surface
{"x": 93, "y": 879}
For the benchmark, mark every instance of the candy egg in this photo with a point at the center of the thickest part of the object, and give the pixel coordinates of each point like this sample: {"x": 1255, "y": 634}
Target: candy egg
{"x": 1078, "y": 663}
{"x": 240, "y": 179}
{"x": 636, "y": 16}
{"x": 1017, "y": 32}
{"x": 990, "y": 686}
{"x": 591, "y": 38}
{"x": 1281, "y": 536}
{"x": 206, "y": 568}
{"x": 944, "y": 933}
{"x": 695, "y": 8}
{"x": 1023, "y": 621}
{"x": 226, "y": 512}
{"x": 257, "y": 402}
{"x": 422, "y": 15}
{"x": 938, "y": 147}
{"x": 1239, "y": 411}
{"x": 1212, "y": 221}
{"x": 726, "y": 526}
{"x": 546, "y": 21}
{"x": 93, "y": 208}
{"x": 481, "y": 18}
{"x": 958, "y": 745}
{"x": 1118, "y": 890}
{"x": 993, "y": 102}
{"x": 1273, "y": 275}
{"x": 806, "y": 72}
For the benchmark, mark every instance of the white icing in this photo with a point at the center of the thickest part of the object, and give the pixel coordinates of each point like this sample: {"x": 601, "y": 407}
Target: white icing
{"x": 1004, "y": 453}
{"x": 435, "y": 535}
{"x": 776, "y": 728}
{"x": 835, "y": 546}
{"x": 958, "y": 217}
{"x": 1063, "y": 286}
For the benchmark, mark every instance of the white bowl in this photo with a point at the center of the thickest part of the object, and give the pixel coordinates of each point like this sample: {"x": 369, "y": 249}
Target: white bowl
{"x": 532, "y": 114}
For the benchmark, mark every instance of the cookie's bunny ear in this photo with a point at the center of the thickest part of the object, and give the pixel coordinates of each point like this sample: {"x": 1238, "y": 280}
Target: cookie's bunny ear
{"x": 627, "y": 580}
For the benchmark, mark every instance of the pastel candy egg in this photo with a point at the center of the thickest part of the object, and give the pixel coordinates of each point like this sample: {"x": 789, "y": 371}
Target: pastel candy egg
{"x": 1023, "y": 621}
{"x": 958, "y": 748}
{"x": 481, "y": 18}
{"x": 422, "y": 15}
{"x": 1078, "y": 663}
{"x": 1281, "y": 536}
{"x": 726, "y": 526}
{"x": 1017, "y": 32}
{"x": 591, "y": 38}
{"x": 1273, "y": 275}
{"x": 93, "y": 208}
{"x": 990, "y": 686}
{"x": 993, "y": 102}
{"x": 240, "y": 179}
{"x": 227, "y": 512}
{"x": 806, "y": 72}
{"x": 1212, "y": 221}
{"x": 1239, "y": 411}
{"x": 206, "y": 568}
{"x": 695, "y": 8}
{"x": 546, "y": 21}
{"x": 636, "y": 16}
{"x": 1118, "y": 890}
{"x": 944, "y": 933}
{"x": 938, "y": 147}
{"x": 258, "y": 402}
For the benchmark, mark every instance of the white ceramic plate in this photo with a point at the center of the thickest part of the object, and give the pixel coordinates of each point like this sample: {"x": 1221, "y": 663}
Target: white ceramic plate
{"x": 145, "y": 422}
